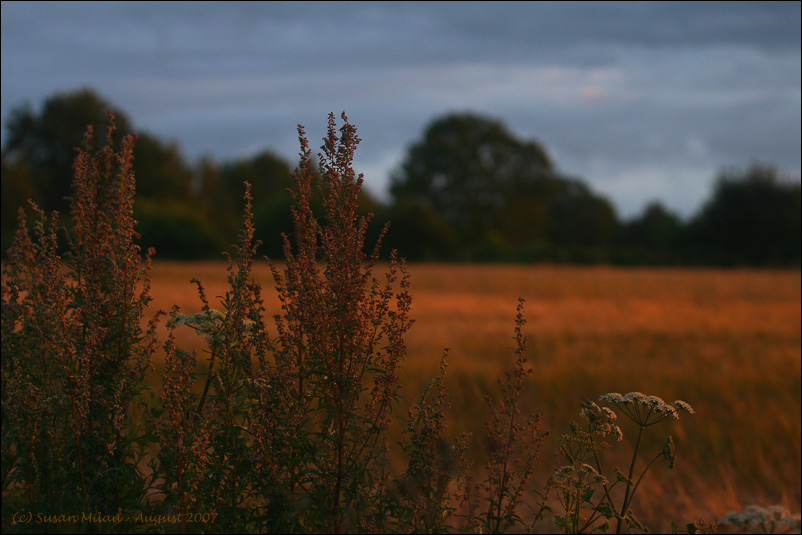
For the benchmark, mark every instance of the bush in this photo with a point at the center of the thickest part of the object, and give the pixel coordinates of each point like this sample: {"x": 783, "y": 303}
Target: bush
{"x": 752, "y": 219}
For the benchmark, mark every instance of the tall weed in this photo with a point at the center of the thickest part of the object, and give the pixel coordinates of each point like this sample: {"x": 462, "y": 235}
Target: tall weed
{"x": 73, "y": 352}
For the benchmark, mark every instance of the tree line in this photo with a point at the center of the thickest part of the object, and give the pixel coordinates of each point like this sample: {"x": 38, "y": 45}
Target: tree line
{"x": 467, "y": 190}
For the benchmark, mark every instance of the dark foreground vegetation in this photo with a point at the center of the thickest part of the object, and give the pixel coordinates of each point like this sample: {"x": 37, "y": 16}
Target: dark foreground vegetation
{"x": 468, "y": 190}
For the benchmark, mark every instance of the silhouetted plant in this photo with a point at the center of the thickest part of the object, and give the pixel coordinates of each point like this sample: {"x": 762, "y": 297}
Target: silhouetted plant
{"x": 73, "y": 351}
{"x": 340, "y": 338}
{"x": 307, "y": 411}
{"x": 205, "y": 437}
{"x": 423, "y": 498}
{"x": 513, "y": 442}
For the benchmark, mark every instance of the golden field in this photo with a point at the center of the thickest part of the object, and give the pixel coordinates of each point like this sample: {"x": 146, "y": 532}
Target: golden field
{"x": 725, "y": 341}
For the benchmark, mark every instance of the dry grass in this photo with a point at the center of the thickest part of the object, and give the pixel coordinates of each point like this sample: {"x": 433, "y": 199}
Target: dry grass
{"x": 728, "y": 342}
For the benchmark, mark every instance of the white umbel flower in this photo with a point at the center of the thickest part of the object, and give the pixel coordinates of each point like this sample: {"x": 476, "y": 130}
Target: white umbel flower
{"x": 758, "y": 519}
{"x": 646, "y": 410}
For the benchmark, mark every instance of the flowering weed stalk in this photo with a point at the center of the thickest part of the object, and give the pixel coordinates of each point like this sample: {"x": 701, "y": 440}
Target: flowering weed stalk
{"x": 73, "y": 351}
{"x": 514, "y": 442}
{"x": 300, "y": 433}
{"x": 425, "y": 488}
{"x": 183, "y": 429}
{"x": 339, "y": 343}
{"x": 208, "y": 432}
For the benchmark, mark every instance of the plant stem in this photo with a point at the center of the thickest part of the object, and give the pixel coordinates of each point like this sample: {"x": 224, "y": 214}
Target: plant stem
{"x": 635, "y": 488}
{"x": 625, "y": 506}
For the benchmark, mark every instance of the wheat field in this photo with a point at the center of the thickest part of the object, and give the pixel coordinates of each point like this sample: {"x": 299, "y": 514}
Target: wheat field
{"x": 726, "y": 341}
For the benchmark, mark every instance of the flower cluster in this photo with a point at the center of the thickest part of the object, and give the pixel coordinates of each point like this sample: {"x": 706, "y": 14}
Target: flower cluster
{"x": 575, "y": 488}
{"x": 646, "y": 410}
{"x": 601, "y": 419}
{"x": 577, "y": 477}
{"x": 514, "y": 442}
{"x": 206, "y": 322}
{"x": 759, "y": 519}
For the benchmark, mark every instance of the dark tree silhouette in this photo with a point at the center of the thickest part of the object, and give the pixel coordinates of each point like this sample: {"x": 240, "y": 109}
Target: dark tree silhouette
{"x": 499, "y": 193}
{"x": 45, "y": 144}
{"x": 466, "y": 168}
{"x": 753, "y": 218}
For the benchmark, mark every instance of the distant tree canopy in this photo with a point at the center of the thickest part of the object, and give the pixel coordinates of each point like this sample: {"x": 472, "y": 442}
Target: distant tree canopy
{"x": 752, "y": 219}
{"x": 657, "y": 227}
{"x": 467, "y": 168}
{"x": 175, "y": 203}
{"x": 653, "y": 237}
{"x": 499, "y": 193}
{"x": 468, "y": 189}
{"x": 221, "y": 186}
{"x": 44, "y": 143}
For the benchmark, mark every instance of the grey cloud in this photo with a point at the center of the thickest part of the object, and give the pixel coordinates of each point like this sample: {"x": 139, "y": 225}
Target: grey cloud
{"x": 407, "y": 33}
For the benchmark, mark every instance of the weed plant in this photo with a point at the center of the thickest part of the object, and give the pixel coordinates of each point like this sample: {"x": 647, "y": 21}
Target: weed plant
{"x": 73, "y": 352}
{"x": 284, "y": 431}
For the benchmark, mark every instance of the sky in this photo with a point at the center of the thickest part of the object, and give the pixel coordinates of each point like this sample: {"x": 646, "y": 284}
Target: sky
{"x": 641, "y": 101}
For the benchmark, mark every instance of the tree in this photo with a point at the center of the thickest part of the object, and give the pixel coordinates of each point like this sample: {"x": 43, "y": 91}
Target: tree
{"x": 753, "y": 218}
{"x": 220, "y": 186}
{"x": 656, "y": 228}
{"x": 162, "y": 172}
{"x": 15, "y": 190}
{"x": 468, "y": 168}
{"x": 654, "y": 237}
{"x": 417, "y": 232}
{"x": 37, "y": 164}
{"x": 46, "y": 141}
{"x": 176, "y": 229}
{"x": 578, "y": 217}
{"x": 502, "y": 196}
{"x": 268, "y": 174}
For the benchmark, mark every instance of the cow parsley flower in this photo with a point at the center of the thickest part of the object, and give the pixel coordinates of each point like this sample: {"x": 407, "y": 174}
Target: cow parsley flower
{"x": 646, "y": 410}
{"x": 601, "y": 419}
{"x": 757, "y": 519}
{"x": 577, "y": 477}
{"x": 206, "y": 322}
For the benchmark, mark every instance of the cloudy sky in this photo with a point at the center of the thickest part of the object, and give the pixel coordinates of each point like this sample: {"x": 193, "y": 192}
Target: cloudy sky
{"x": 641, "y": 101}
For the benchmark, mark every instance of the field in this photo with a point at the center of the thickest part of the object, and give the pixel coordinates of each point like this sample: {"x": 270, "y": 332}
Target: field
{"x": 725, "y": 341}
